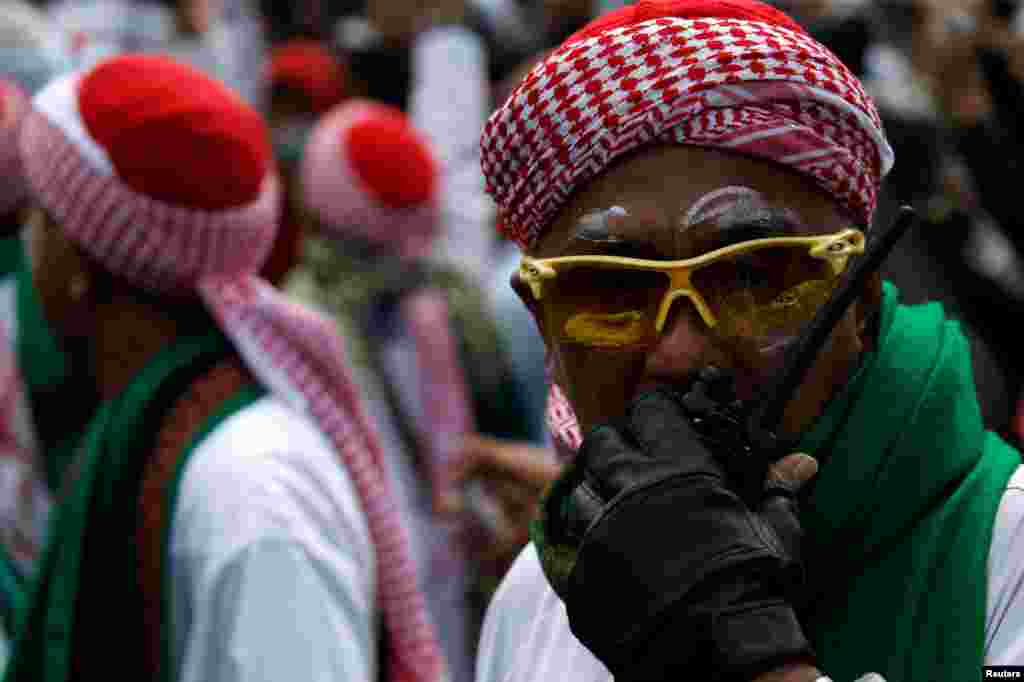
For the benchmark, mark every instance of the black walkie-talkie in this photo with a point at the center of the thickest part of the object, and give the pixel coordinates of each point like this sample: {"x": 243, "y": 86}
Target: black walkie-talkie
{"x": 748, "y": 430}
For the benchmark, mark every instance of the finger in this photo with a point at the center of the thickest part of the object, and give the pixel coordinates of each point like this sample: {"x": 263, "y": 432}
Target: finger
{"x": 531, "y": 465}
{"x": 779, "y": 504}
{"x": 795, "y": 469}
{"x": 779, "y": 510}
{"x": 512, "y": 494}
{"x": 658, "y": 423}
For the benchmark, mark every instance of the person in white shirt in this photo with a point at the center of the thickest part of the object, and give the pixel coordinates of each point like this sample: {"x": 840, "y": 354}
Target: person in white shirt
{"x": 229, "y": 485}
{"x": 687, "y": 181}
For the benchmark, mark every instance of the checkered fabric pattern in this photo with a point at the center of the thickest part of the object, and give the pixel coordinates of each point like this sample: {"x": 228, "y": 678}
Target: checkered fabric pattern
{"x": 159, "y": 246}
{"x": 13, "y": 107}
{"x": 25, "y": 501}
{"x": 747, "y": 86}
{"x": 175, "y": 248}
{"x": 563, "y": 425}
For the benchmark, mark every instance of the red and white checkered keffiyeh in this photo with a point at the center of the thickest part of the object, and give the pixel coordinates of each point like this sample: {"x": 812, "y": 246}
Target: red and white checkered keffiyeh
{"x": 730, "y": 74}
{"x": 169, "y": 248}
{"x": 25, "y": 500}
{"x": 14, "y": 105}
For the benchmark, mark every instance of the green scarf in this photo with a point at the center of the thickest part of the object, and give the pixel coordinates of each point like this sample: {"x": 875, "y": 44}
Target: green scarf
{"x": 86, "y": 601}
{"x": 61, "y": 400}
{"x": 899, "y": 519}
{"x": 11, "y": 255}
{"x": 333, "y": 278}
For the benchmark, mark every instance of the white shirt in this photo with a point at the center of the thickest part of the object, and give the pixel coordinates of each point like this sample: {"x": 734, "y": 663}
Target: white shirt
{"x": 273, "y": 573}
{"x": 526, "y": 634}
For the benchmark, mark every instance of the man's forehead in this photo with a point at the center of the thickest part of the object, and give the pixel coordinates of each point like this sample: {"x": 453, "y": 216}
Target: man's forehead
{"x": 723, "y": 216}
{"x": 717, "y": 202}
{"x": 673, "y": 193}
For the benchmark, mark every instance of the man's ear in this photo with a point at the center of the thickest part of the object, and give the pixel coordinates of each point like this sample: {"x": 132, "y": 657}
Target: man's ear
{"x": 868, "y": 306}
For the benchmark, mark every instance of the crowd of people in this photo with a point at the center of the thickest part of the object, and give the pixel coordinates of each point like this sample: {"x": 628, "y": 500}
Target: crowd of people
{"x": 373, "y": 340}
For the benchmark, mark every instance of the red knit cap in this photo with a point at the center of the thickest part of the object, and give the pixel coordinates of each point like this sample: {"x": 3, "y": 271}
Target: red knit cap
{"x": 368, "y": 173}
{"x": 161, "y": 173}
{"x": 13, "y": 107}
{"x": 392, "y": 159}
{"x": 307, "y": 66}
{"x": 128, "y": 104}
{"x": 736, "y": 75}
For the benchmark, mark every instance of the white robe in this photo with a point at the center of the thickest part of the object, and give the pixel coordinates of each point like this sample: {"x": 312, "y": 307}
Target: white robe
{"x": 273, "y": 573}
{"x": 526, "y": 634}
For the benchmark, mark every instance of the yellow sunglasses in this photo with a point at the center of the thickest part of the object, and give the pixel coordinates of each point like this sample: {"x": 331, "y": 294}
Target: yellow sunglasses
{"x": 763, "y": 288}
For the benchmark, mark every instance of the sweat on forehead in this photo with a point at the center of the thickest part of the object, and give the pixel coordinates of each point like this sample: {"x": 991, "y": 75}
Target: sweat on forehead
{"x": 729, "y": 75}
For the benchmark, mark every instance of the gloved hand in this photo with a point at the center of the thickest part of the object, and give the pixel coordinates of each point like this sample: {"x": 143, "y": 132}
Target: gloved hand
{"x": 664, "y": 570}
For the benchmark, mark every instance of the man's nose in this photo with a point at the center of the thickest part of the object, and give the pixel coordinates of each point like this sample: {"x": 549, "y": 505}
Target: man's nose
{"x": 682, "y": 344}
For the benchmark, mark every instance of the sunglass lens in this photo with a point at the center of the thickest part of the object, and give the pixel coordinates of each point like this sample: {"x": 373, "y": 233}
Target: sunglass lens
{"x": 611, "y": 307}
{"x": 765, "y": 295}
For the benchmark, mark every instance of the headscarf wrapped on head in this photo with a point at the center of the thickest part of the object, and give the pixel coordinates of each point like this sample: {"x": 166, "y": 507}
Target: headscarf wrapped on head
{"x": 129, "y": 158}
{"x": 734, "y": 75}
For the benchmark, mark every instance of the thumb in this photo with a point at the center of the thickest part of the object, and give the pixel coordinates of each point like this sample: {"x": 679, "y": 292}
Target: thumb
{"x": 779, "y": 505}
{"x": 794, "y": 470}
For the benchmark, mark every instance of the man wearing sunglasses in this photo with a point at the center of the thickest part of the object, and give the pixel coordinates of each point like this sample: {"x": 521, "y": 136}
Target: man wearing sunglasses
{"x": 688, "y": 180}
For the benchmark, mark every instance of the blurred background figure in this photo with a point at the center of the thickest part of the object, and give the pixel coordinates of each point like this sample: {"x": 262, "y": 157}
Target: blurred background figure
{"x": 420, "y": 338}
{"x": 942, "y": 74}
{"x": 32, "y": 48}
{"x": 223, "y": 38}
{"x": 305, "y": 80}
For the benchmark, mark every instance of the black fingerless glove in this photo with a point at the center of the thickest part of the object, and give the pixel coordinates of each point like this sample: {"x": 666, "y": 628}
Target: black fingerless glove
{"x": 665, "y": 572}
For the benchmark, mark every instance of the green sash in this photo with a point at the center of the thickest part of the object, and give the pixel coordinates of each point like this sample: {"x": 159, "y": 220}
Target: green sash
{"x": 11, "y": 255}
{"x": 61, "y": 400}
{"x": 899, "y": 520}
{"x": 86, "y": 601}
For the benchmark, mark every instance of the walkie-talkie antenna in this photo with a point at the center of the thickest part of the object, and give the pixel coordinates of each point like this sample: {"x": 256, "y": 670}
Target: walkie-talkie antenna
{"x": 763, "y": 421}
